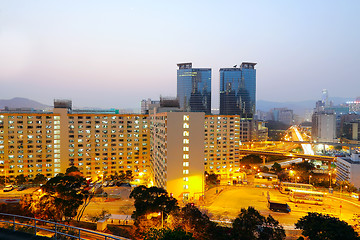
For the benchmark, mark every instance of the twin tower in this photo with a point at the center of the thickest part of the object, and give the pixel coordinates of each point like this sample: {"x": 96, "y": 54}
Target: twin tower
{"x": 237, "y": 89}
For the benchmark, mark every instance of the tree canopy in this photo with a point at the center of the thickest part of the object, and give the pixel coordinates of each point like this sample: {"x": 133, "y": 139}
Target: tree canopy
{"x": 151, "y": 200}
{"x": 167, "y": 233}
{"x": 319, "y": 226}
{"x": 39, "y": 179}
{"x": 250, "y": 225}
{"x": 251, "y": 159}
{"x": 58, "y": 199}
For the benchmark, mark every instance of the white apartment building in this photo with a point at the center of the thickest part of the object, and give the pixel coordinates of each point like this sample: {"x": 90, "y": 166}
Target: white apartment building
{"x": 348, "y": 169}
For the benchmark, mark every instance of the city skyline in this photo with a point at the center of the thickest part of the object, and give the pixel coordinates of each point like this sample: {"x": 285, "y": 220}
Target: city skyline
{"x": 115, "y": 54}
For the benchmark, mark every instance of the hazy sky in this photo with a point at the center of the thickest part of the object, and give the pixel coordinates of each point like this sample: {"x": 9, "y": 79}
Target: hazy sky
{"x": 115, "y": 53}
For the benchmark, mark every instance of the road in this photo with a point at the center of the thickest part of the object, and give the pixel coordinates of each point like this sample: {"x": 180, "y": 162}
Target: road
{"x": 306, "y": 147}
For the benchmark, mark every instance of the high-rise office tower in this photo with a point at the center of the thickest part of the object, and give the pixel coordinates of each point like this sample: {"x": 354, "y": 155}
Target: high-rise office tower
{"x": 194, "y": 88}
{"x": 237, "y": 90}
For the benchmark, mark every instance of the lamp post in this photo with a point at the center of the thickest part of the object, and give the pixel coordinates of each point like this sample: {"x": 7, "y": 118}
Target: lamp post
{"x": 310, "y": 178}
{"x": 330, "y": 179}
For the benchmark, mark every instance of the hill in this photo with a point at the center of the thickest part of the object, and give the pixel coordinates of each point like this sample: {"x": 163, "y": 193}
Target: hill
{"x": 21, "y": 103}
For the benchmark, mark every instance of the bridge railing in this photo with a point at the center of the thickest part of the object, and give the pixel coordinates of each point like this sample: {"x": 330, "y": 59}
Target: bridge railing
{"x": 34, "y": 225}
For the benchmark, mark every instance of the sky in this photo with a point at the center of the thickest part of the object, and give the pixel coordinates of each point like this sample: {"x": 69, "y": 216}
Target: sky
{"x": 112, "y": 54}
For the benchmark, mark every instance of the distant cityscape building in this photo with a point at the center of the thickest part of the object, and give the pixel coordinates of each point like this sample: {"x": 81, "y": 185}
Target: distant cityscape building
{"x": 323, "y": 126}
{"x": 325, "y": 97}
{"x": 148, "y": 104}
{"x": 283, "y": 115}
{"x": 194, "y": 88}
{"x": 238, "y": 90}
{"x": 350, "y": 127}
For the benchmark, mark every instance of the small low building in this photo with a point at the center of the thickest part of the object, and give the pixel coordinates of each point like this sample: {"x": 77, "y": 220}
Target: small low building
{"x": 348, "y": 169}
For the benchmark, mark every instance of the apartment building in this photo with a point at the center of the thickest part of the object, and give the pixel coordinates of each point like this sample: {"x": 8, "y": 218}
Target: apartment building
{"x": 348, "y": 169}
{"x": 177, "y": 156}
{"x": 29, "y": 144}
{"x": 99, "y": 143}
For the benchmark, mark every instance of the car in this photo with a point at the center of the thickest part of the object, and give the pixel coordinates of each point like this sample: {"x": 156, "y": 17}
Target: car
{"x": 8, "y": 188}
{"x": 123, "y": 184}
{"x": 21, "y": 188}
{"x": 105, "y": 184}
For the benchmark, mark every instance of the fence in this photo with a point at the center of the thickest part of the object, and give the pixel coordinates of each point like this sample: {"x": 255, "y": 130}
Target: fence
{"x": 33, "y": 225}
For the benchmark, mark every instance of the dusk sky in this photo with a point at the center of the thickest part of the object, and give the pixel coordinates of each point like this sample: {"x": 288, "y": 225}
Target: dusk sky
{"x": 115, "y": 53}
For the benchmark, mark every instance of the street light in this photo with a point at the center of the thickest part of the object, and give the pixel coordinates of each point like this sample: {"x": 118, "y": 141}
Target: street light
{"x": 330, "y": 179}
{"x": 310, "y": 178}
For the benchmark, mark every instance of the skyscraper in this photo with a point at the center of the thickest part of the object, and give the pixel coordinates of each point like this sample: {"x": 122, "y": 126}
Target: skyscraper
{"x": 237, "y": 90}
{"x": 194, "y": 88}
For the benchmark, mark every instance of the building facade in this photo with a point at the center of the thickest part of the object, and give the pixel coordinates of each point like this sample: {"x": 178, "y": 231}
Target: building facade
{"x": 348, "y": 169}
{"x": 99, "y": 143}
{"x": 177, "y": 156}
{"x": 194, "y": 88}
{"x": 323, "y": 126}
{"x": 238, "y": 90}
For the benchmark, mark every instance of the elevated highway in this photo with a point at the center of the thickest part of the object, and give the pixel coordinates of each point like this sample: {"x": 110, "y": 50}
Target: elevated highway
{"x": 287, "y": 154}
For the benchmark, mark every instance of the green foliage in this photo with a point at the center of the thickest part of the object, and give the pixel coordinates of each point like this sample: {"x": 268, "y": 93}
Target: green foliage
{"x": 191, "y": 219}
{"x": 319, "y": 226}
{"x": 250, "y": 225}
{"x": 264, "y": 169}
{"x": 58, "y": 199}
{"x": 251, "y": 159}
{"x": 2, "y": 180}
{"x": 122, "y": 177}
{"x": 20, "y": 179}
{"x": 39, "y": 179}
{"x": 356, "y": 219}
{"x": 167, "y": 233}
{"x": 71, "y": 170}
{"x": 211, "y": 179}
{"x": 305, "y": 166}
{"x": 151, "y": 200}
{"x": 276, "y": 167}
{"x": 103, "y": 214}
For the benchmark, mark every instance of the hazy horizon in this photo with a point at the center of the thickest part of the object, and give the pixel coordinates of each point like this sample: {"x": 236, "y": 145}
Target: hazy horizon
{"x": 113, "y": 53}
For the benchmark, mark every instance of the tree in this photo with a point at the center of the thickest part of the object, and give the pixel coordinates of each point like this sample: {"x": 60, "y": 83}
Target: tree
{"x": 320, "y": 226}
{"x": 251, "y": 159}
{"x": 58, "y": 199}
{"x": 272, "y": 230}
{"x": 191, "y": 219}
{"x": 167, "y": 233}
{"x": 71, "y": 170}
{"x": 250, "y": 225}
{"x": 276, "y": 167}
{"x": 20, "y": 179}
{"x": 129, "y": 176}
{"x": 39, "y": 179}
{"x": 152, "y": 200}
{"x": 211, "y": 179}
{"x": 103, "y": 214}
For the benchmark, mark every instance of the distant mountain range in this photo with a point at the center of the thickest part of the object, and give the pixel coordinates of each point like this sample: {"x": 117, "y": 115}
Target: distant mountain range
{"x": 299, "y": 107}
{"x": 22, "y": 103}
